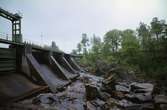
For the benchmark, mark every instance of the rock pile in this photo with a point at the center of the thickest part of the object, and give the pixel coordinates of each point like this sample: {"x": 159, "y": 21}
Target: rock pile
{"x": 90, "y": 92}
{"x": 128, "y": 95}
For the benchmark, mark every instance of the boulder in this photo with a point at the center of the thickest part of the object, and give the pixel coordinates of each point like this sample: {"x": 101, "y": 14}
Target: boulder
{"x": 122, "y": 88}
{"x": 160, "y": 99}
{"x": 139, "y": 97}
{"x": 163, "y": 106}
{"x": 118, "y": 95}
{"x": 147, "y": 106}
{"x": 95, "y": 105}
{"x": 124, "y": 103}
{"x": 104, "y": 96}
{"x": 90, "y": 106}
{"x": 141, "y": 87}
{"x": 91, "y": 92}
{"x": 47, "y": 98}
{"x": 108, "y": 85}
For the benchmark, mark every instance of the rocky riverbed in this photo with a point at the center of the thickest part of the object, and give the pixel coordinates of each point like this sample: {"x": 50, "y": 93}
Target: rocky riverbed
{"x": 90, "y": 92}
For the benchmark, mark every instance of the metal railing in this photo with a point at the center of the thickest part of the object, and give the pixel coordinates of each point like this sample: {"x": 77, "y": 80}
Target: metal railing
{"x": 5, "y": 36}
{"x": 8, "y": 37}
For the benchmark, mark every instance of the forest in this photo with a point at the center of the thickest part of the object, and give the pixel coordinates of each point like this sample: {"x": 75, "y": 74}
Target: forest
{"x": 143, "y": 50}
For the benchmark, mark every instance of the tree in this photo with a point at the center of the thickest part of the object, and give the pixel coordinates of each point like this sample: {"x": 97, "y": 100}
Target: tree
{"x": 79, "y": 48}
{"x": 112, "y": 40}
{"x": 143, "y": 49}
{"x": 156, "y": 27}
{"x": 144, "y": 35}
{"x": 129, "y": 40}
{"x": 96, "y": 44}
{"x": 84, "y": 43}
{"x": 130, "y": 47}
{"x": 95, "y": 51}
{"x": 74, "y": 52}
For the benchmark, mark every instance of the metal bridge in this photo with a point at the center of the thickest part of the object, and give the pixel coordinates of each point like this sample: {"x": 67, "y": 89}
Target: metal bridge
{"x": 28, "y": 69}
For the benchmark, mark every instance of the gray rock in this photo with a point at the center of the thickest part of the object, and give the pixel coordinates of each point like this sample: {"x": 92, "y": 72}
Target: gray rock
{"x": 121, "y": 88}
{"x": 160, "y": 99}
{"x": 147, "y": 106}
{"x": 91, "y": 92}
{"x": 95, "y": 105}
{"x": 90, "y": 106}
{"x": 48, "y": 98}
{"x": 140, "y": 97}
{"x": 125, "y": 103}
{"x": 163, "y": 106}
{"x": 141, "y": 87}
{"x": 104, "y": 96}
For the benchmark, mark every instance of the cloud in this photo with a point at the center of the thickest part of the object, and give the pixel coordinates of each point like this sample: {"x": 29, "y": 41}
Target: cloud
{"x": 65, "y": 20}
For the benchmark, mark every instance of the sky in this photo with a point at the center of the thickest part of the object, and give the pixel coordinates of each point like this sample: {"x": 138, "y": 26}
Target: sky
{"x": 64, "y": 21}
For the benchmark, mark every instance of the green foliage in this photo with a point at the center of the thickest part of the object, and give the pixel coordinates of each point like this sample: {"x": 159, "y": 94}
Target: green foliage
{"x": 112, "y": 40}
{"x": 129, "y": 47}
{"x": 143, "y": 49}
{"x": 157, "y": 27}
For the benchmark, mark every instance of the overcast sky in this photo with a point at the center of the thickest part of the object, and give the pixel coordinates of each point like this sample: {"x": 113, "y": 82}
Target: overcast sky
{"x": 63, "y": 21}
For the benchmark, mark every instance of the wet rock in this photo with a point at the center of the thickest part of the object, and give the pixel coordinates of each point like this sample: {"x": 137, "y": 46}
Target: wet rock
{"x": 118, "y": 95}
{"x": 48, "y": 98}
{"x": 141, "y": 87}
{"x": 160, "y": 99}
{"x": 127, "y": 105}
{"x": 139, "y": 92}
{"x": 91, "y": 92}
{"x": 124, "y": 103}
{"x": 114, "y": 108}
{"x": 96, "y": 105}
{"x": 73, "y": 98}
{"x": 90, "y": 106}
{"x": 108, "y": 85}
{"x": 99, "y": 103}
{"x": 139, "y": 97}
{"x": 121, "y": 73}
{"x": 109, "y": 80}
{"x": 104, "y": 96}
{"x": 147, "y": 106}
{"x": 91, "y": 79}
{"x": 163, "y": 106}
{"x": 111, "y": 102}
{"x": 126, "y": 84}
{"x": 122, "y": 88}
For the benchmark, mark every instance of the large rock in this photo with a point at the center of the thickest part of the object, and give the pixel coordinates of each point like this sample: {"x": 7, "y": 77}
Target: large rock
{"x": 48, "y": 98}
{"x": 104, "y": 96}
{"x": 160, "y": 99}
{"x": 91, "y": 79}
{"x": 108, "y": 85}
{"x": 122, "y": 88}
{"x": 90, "y": 106}
{"x": 118, "y": 95}
{"x": 147, "y": 106}
{"x": 91, "y": 92}
{"x": 141, "y": 87}
{"x": 139, "y": 97}
{"x": 73, "y": 98}
{"x": 163, "y": 106}
{"x": 140, "y": 92}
